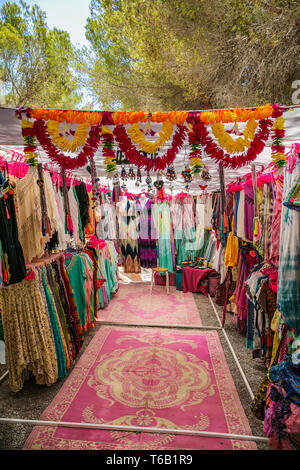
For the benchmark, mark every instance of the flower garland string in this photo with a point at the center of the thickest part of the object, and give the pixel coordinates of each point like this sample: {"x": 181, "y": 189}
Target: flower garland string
{"x": 68, "y": 163}
{"x": 216, "y": 153}
{"x": 256, "y": 147}
{"x": 140, "y": 160}
{"x": 234, "y": 145}
{"x": 108, "y": 151}
{"x": 30, "y": 149}
{"x": 145, "y": 145}
{"x": 195, "y": 156}
{"x": 80, "y": 136}
{"x": 278, "y": 132}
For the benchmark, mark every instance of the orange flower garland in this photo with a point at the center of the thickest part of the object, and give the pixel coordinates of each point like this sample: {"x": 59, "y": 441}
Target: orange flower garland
{"x": 70, "y": 116}
{"x": 131, "y": 117}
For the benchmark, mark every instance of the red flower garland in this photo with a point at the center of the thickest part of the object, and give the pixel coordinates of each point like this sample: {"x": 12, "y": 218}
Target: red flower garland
{"x": 216, "y": 153}
{"x": 68, "y": 163}
{"x": 139, "y": 159}
{"x": 200, "y": 135}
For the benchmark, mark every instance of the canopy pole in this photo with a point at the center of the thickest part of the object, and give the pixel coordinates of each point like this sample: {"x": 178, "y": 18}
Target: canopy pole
{"x": 139, "y": 429}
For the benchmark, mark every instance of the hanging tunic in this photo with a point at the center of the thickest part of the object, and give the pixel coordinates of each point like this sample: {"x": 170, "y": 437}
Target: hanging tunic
{"x": 76, "y": 270}
{"x": 74, "y": 211}
{"x": 147, "y": 240}
{"x": 29, "y": 217}
{"x": 163, "y": 226}
{"x": 128, "y": 224}
{"x": 13, "y": 263}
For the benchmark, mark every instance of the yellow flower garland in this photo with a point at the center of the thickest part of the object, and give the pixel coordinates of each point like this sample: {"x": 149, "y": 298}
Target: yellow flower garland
{"x": 139, "y": 139}
{"x": 234, "y": 145}
{"x": 80, "y": 136}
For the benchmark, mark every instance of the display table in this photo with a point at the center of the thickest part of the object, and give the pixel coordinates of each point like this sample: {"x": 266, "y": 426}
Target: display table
{"x": 193, "y": 277}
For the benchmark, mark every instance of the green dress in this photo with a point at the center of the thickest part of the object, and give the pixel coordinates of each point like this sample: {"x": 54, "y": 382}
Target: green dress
{"x": 163, "y": 224}
{"x": 77, "y": 274}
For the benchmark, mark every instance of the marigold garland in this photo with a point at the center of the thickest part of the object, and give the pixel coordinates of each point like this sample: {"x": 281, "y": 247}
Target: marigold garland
{"x": 234, "y": 145}
{"x": 216, "y": 153}
{"x": 236, "y": 115}
{"x": 195, "y": 156}
{"x": 131, "y": 117}
{"x": 278, "y": 132}
{"x": 254, "y": 136}
{"x": 68, "y": 163}
{"x": 108, "y": 151}
{"x": 150, "y": 147}
{"x": 79, "y": 139}
{"x": 139, "y": 159}
{"x": 31, "y": 156}
{"x": 70, "y": 116}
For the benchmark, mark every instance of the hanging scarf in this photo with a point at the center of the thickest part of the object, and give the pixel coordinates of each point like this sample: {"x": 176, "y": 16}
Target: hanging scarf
{"x": 46, "y": 227}
{"x": 68, "y": 219}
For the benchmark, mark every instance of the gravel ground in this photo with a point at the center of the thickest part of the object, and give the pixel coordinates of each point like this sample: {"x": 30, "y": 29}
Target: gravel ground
{"x": 32, "y": 400}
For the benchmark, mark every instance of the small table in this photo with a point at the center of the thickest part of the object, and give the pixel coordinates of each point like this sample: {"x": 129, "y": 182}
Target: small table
{"x": 160, "y": 270}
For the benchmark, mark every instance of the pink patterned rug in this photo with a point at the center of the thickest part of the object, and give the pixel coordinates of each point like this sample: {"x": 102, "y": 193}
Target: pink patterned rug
{"x": 146, "y": 377}
{"x": 134, "y": 304}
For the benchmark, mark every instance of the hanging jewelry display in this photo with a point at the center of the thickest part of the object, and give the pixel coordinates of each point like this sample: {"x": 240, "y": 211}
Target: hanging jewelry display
{"x": 123, "y": 174}
{"x": 187, "y": 175}
{"x": 205, "y": 175}
{"x": 159, "y": 181}
{"x": 131, "y": 174}
{"x": 139, "y": 175}
{"x": 149, "y": 182}
{"x": 159, "y": 185}
{"x": 171, "y": 174}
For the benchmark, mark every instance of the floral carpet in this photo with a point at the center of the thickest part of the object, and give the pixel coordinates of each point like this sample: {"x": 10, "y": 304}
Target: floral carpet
{"x": 146, "y": 377}
{"x": 134, "y": 304}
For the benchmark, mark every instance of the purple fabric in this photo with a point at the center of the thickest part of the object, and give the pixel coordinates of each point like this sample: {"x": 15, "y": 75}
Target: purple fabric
{"x": 147, "y": 245}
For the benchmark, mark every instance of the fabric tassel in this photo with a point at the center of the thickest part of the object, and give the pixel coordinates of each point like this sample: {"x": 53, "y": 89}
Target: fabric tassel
{"x": 6, "y": 273}
{"x": 70, "y": 226}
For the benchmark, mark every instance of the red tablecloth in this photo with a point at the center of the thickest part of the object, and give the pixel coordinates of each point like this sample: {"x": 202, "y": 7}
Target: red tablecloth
{"x": 192, "y": 277}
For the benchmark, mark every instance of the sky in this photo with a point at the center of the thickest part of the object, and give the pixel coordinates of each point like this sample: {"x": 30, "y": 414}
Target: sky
{"x": 69, "y": 15}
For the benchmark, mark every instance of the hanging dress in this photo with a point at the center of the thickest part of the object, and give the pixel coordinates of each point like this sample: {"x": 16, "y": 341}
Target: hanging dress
{"x": 128, "y": 225}
{"x": 13, "y": 262}
{"x": 163, "y": 227}
{"x": 147, "y": 239}
{"x": 29, "y": 217}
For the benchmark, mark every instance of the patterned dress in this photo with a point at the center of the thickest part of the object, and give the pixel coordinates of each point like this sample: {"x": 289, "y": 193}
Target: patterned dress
{"x": 147, "y": 239}
{"x": 162, "y": 217}
{"x": 128, "y": 234}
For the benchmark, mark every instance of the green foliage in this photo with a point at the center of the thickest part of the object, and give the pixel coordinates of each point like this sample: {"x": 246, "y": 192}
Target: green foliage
{"x": 192, "y": 54}
{"x": 36, "y": 63}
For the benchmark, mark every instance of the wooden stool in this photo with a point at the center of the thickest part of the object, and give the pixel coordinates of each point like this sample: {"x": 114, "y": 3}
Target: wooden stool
{"x": 160, "y": 270}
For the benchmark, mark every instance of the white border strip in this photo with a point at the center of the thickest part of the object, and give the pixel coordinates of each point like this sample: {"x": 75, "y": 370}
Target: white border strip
{"x": 110, "y": 427}
{"x": 186, "y": 327}
{"x": 3, "y": 376}
{"x": 232, "y": 350}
